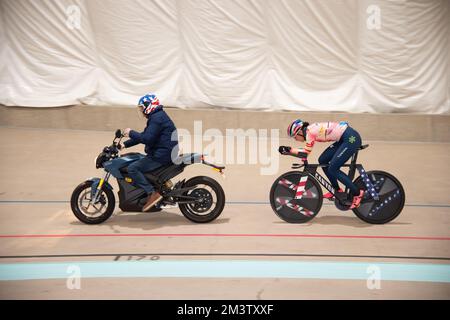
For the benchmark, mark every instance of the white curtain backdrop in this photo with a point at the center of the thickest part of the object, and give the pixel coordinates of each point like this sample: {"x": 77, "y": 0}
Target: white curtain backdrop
{"x": 317, "y": 55}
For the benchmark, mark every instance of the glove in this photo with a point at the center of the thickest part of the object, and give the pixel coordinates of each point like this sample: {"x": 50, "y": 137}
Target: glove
{"x": 284, "y": 150}
{"x": 126, "y": 132}
{"x": 120, "y": 146}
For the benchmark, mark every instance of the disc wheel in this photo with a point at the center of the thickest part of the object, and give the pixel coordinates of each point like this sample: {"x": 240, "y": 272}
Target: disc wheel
{"x": 391, "y": 198}
{"x": 291, "y": 206}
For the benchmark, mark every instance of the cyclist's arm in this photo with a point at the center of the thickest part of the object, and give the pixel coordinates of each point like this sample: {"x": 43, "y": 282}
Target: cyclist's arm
{"x": 304, "y": 152}
{"x": 299, "y": 153}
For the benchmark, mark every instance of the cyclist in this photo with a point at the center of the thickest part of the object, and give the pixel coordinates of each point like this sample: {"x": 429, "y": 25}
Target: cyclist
{"x": 159, "y": 142}
{"x": 346, "y": 142}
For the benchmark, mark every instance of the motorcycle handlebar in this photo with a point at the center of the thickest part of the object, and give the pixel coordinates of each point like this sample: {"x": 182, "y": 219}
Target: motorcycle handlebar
{"x": 119, "y": 134}
{"x": 115, "y": 145}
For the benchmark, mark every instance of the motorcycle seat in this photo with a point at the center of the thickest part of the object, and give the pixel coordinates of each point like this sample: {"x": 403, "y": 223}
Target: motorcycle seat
{"x": 189, "y": 158}
{"x": 157, "y": 171}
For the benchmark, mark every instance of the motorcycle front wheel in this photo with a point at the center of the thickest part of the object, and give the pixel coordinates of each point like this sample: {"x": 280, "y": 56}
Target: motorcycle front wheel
{"x": 88, "y": 213}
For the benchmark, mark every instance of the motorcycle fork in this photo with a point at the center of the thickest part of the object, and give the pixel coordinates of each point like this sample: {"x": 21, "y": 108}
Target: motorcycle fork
{"x": 99, "y": 187}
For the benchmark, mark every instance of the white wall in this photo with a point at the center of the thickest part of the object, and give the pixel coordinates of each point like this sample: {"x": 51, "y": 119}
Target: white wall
{"x": 343, "y": 55}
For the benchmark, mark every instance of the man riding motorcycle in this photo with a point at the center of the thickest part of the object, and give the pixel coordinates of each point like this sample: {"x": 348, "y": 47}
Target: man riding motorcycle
{"x": 159, "y": 140}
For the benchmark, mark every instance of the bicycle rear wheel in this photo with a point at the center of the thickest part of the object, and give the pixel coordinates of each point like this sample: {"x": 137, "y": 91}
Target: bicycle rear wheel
{"x": 296, "y": 197}
{"x": 391, "y": 198}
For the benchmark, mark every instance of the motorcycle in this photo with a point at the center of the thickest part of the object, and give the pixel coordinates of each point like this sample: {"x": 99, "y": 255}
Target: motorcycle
{"x": 200, "y": 199}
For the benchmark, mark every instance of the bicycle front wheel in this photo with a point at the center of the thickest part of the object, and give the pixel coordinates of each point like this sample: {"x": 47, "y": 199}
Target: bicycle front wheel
{"x": 391, "y": 198}
{"x": 296, "y": 197}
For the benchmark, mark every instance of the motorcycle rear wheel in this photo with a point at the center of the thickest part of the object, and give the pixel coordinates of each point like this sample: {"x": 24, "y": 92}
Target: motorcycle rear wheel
{"x": 212, "y": 197}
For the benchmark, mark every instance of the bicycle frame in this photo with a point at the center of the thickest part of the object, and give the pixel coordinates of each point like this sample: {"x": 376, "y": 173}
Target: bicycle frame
{"x": 311, "y": 170}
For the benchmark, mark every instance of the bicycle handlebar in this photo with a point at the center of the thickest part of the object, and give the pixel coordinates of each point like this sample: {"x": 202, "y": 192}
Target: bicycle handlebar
{"x": 302, "y": 155}
{"x": 297, "y": 166}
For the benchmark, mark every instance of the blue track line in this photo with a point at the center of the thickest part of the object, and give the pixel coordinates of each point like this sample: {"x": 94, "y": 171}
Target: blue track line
{"x": 228, "y": 269}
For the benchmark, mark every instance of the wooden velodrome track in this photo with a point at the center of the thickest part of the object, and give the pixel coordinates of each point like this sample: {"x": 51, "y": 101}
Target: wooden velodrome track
{"x": 247, "y": 253}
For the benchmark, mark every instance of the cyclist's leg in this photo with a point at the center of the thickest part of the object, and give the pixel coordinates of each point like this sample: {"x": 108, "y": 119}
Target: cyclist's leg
{"x": 137, "y": 169}
{"x": 350, "y": 143}
{"x": 325, "y": 158}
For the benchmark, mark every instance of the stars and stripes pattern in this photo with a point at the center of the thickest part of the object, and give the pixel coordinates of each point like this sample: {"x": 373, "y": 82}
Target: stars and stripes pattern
{"x": 288, "y": 184}
{"x": 149, "y": 102}
{"x": 299, "y": 193}
{"x": 296, "y": 207}
{"x": 301, "y": 187}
